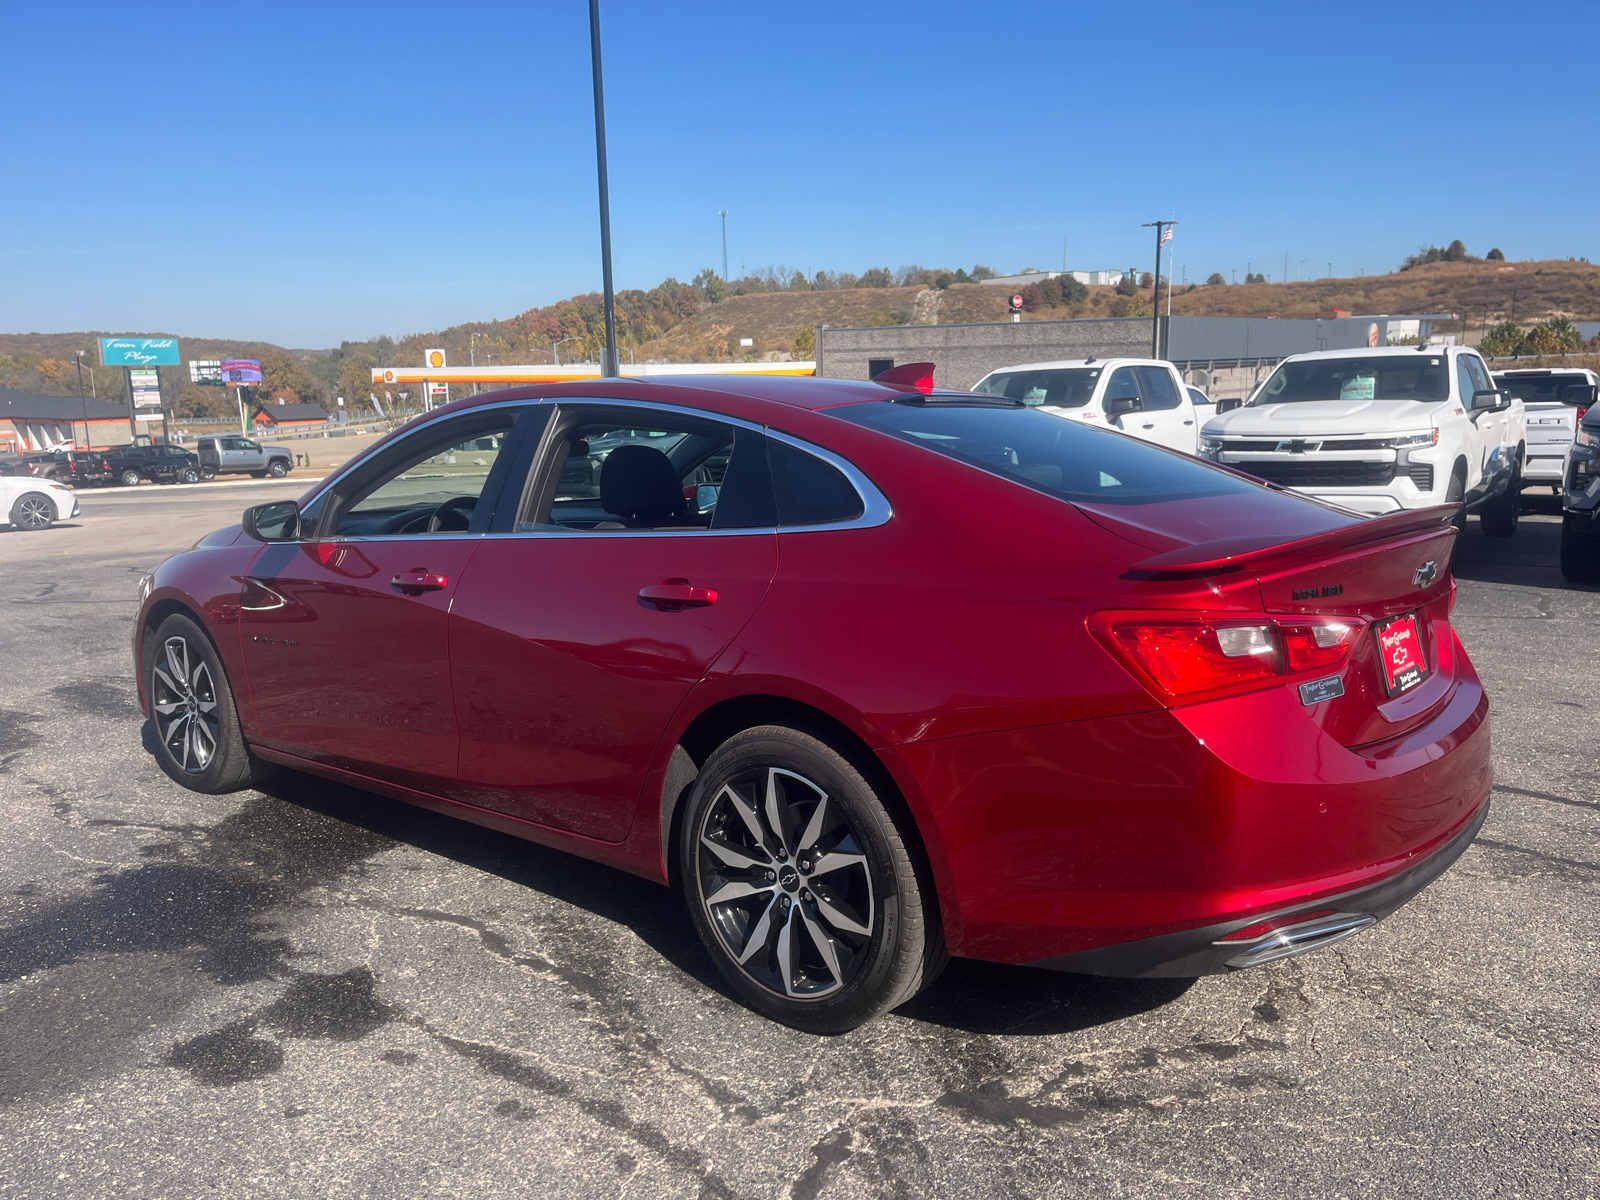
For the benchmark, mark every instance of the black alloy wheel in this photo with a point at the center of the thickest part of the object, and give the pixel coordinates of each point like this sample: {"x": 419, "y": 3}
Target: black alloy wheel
{"x": 192, "y": 707}
{"x": 802, "y": 886}
{"x": 33, "y": 511}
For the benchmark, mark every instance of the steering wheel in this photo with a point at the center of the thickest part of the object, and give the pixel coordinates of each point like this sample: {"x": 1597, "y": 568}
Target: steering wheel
{"x": 446, "y": 516}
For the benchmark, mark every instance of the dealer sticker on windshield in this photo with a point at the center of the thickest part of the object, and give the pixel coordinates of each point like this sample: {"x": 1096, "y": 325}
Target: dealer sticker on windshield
{"x": 1400, "y": 647}
{"x": 1358, "y": 387}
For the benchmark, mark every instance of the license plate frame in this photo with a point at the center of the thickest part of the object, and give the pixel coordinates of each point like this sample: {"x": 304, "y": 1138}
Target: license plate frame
{"x": 1403, "y": 666}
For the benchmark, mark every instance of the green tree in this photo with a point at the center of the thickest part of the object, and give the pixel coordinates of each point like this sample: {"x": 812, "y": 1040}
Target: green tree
{"x": 1455, "y": 252}
{"x": 1073, "y": 293}
{"x": 876, "y": 277}
{"x": 710, "y": 287}
{"x": 1215, "y": 278}
{"x": 1496, "y": 255}
{"x": 1502, "y": 341}
{"x": 981, "y": 272}
{"x": 805, "y": 345}
{"x": 1127, "y": 287}
{"x": 944, "y": 280}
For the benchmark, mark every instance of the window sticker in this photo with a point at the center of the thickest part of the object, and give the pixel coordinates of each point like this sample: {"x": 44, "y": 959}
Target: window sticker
{"x": 1109, "y": 480}
{"x": 1359, "y": 387}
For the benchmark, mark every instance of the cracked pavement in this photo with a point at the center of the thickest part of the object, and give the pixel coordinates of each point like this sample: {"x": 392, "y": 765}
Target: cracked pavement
{"x": 313, "y": 991}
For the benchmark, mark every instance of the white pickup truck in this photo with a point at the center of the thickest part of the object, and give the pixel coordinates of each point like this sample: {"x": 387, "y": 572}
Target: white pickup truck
{"x": 1382, "y": 430}
{"x": 1555, "y": 401}
{"x": 1144, "y": 397}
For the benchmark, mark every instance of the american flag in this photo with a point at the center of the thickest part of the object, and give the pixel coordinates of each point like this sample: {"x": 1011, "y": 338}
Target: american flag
{"x": 1166, "y": 235}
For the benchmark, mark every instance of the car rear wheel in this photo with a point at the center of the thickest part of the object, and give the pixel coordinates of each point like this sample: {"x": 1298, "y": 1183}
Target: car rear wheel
{"x": 189, "y": 475}
{"x": 278, "y": 469}
{"x": 802, "y": 886}
{"x": 191, "y": 704}
{"x": 33, "y": 511}
{"x": 129, "y": 478}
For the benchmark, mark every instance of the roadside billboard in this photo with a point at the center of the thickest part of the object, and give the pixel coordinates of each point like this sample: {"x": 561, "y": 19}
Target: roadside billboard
{"x": 237, "y": 371}
{"x": 206, "y": 371}
{"x": 139, "y": 352}
{"x": 146, "y": 387}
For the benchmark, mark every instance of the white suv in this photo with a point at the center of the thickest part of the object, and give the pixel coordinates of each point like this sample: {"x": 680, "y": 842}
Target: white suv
{"x": 1144, "y": 397}
{"x": 1382, "y": 430}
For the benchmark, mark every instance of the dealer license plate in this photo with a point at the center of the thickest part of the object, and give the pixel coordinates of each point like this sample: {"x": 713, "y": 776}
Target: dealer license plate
{"x": 1400, "y": 648}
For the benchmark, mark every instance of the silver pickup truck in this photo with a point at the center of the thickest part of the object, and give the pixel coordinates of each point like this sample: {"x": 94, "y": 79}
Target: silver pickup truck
{"x": 230, "y": 454}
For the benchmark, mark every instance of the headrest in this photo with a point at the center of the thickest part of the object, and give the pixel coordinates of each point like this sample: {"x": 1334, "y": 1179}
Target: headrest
{"x": 639, "y": 483}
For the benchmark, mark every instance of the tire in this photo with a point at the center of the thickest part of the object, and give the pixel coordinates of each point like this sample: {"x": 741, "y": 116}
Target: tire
{"x": 278, "y": 469}
{"x": 258, "y": 474}
{"x": 129, "y": 478}
{"x": 826, "y": 952}
{"x": 1454, "y": 494}
{"x": 189, "y": 475}
{"x": 1580, "y": 554}
{"x": 200, "y": 743}
{"x": 207, "y": 475}
{"x": 33, "y": 511}
{"x": 1498, "y": 517}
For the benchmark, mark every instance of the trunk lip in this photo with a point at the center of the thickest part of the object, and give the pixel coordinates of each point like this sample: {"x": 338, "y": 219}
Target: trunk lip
{"x": 1253, "y": 552}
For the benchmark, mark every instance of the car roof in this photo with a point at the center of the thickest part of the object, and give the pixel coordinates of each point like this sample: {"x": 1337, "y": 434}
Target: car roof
{"x": 793, "y": 391}
{"x": 1083, "y": 362}
{"x": 1371, "y": 352}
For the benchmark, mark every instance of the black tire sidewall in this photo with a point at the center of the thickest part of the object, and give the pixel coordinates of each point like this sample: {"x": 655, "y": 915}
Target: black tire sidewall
{"x": 16, "y": 509}
{"x": 125, "y": 481}
{"x": 864, "y": 996}
{"x": 277, "y": 470}
{"x": 230, "y": 766}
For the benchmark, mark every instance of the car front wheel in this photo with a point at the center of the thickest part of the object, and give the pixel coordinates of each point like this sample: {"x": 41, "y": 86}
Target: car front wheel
{"x": 189, "y": 475}
{"x": 802, "y": 886}
{"x": 191, "y": 704}
{"x": 278, "y": 469}
{"x": 33, "y": 511}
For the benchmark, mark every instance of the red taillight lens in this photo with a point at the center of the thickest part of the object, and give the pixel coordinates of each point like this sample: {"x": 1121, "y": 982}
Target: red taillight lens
{"x": 1190, "y": 658}
{"x": 1186, "y": 659}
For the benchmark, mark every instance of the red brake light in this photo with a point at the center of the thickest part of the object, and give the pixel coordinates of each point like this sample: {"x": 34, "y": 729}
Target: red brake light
{"x": 1187, "y": 658}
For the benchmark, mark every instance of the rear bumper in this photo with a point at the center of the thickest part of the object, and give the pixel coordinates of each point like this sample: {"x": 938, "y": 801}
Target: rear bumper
{"x": 1198, "y": 952}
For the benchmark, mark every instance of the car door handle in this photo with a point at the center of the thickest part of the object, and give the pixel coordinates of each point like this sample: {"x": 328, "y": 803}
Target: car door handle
{"x": 1188, "y": 422}
{"x": 418, "y": 580}
{"x": 675, "y": 595}
{"x": 1149, "y": 426}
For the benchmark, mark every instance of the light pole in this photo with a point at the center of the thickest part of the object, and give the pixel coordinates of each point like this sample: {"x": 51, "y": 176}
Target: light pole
{"x": 723, "y": 213}
{"x": 1163, "y": 234}
{"x": 608, "y": 358}
{"x": 554, "y": 352}
{"x": 472, "y": 356}
{"x": 84, "y": 404}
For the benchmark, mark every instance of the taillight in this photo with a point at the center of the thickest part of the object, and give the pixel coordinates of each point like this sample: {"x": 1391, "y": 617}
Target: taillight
{"x": 1187, "y": 658}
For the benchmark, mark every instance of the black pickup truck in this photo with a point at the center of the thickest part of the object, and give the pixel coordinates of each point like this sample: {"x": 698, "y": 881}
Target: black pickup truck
{"x": 163, "y": 464}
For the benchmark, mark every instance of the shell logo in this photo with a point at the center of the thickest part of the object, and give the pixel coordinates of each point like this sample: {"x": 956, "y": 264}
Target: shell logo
{"x": 436, "y": 358}
{"x": 388, "y": 376}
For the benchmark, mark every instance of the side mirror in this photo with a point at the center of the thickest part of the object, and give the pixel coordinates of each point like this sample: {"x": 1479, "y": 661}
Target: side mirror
{"x": 278, "y": 521}
{"x": 1231, "y": 403}
{"x": 1489, "y": 399}
{"x": 1118, "y": 405}
{"x": 705, "y": 496}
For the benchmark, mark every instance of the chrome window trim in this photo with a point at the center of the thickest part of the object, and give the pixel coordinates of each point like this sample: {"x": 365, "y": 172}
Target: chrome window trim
{"x": 875, "y": 507}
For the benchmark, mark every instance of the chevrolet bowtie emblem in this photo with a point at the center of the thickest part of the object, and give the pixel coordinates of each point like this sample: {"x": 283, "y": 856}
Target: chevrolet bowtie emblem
{"x": 1426, "y": 573}
{"x": 1297, "y": 445}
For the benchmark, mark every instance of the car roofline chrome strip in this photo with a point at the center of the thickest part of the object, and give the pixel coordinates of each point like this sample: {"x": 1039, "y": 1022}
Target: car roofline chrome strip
{"x": 875, "y": 506}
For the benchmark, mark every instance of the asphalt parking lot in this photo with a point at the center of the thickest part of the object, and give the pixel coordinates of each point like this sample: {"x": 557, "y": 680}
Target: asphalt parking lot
{"x": 315, "y": 992}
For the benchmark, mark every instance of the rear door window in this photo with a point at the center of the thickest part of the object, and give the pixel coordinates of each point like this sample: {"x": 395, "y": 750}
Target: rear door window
{"x": 1156, "y": 389}
{"x": 1064, "y": 459}
{"x": 810, "y": 491}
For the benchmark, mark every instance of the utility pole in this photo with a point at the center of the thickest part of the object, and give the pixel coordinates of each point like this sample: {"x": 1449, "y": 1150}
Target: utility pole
{"x": 1163, "y": 232}
{"x": 723, "y": 213}
{"x": 608, "y": 360}
{"x": 1285, "y": 276}
{"x": 84, "y": 404}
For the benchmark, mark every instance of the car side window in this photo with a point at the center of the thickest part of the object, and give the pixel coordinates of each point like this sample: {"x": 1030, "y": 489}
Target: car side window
{"x": 810, "y": 491}
{"x": 228, "y": 444}
{"x": 658, "y": 472}
{"x": 1121, "y": 386}
{"x": 1464, "y": 381}
{"x": 1156, "y": 388}
{"x": 430, "y": 483}
{"x": 247, "y": 444}
{"x": 1480, "y": 377}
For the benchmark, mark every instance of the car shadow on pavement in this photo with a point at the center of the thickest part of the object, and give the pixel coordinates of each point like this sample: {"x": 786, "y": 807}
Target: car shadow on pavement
{"x": 977, "y": 997}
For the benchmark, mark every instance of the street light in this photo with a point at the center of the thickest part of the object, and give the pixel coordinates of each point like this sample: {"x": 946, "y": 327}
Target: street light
{"x": 554, "y": 352}
{"x": 723, "y": 213}
{"x": 84, "y": 404}
{"x": 1163, "y": 232}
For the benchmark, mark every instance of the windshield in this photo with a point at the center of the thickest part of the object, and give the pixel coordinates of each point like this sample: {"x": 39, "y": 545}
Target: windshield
{"x": 1065, "y": 459}
{"x": 1380, "y": 377}
{"x": 1057, "y": 387}
{"x": 1547, "y": 389}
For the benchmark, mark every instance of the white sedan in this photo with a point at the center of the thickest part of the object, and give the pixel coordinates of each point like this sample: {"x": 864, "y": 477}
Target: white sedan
{"x": 32, "y": 504}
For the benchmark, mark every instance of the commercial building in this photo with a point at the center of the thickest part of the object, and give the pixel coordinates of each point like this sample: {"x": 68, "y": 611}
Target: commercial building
{"x": 29, "y": 422}
{"x": 281, "y": 414}
{"x": 1226, "y": 356}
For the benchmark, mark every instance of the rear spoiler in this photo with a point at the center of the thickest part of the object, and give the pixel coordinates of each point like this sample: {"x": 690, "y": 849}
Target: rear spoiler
{"x": 1257, "y": 551}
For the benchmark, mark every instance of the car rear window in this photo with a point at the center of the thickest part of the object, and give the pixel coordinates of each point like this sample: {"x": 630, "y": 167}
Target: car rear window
{"x": 1054, "y": 387}
{"x": 1061, "y": 458}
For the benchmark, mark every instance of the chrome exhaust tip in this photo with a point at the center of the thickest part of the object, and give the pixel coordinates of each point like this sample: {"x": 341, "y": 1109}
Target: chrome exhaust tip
{"x": 1302, "y": 937}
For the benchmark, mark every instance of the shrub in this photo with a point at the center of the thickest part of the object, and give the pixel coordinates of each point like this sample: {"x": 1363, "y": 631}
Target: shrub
{"x": 1127, "y": 287}
{"x": 875, "y": 277}
{"x": 1504, "y": 340}
{"x": 1215, "y": 278}
{"x": 1072, "y": 291}
{"x": 1496, "y": 255}
{"x": 1130, "y": 306}
{"x": 1147, "y": 280}
{"x": 981, "y": 272}
{"x": 805, "y": 345}
{"x": 1049, "y": 293}
{"x": 945, "y": 280}
{"x": 1030, "y": 297}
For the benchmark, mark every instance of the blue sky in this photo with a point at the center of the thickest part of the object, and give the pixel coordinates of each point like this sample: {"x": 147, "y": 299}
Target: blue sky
{"x": 305, "y": 173}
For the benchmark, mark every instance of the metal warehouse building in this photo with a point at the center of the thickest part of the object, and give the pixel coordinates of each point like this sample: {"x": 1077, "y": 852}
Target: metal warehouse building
{"x": 1227, "y": 356}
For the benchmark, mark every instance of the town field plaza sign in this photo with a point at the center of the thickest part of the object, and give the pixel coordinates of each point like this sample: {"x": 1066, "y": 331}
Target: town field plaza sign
{"x": 139, "y": 352}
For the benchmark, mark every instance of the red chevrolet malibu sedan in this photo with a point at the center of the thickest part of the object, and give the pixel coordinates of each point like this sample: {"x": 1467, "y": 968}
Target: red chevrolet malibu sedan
{"x": 874, "y": 673}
